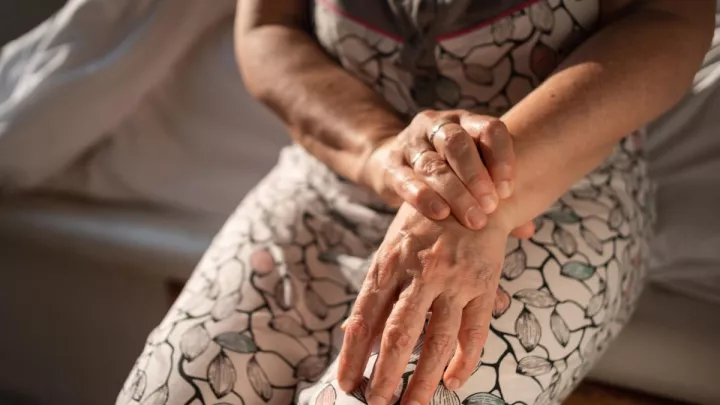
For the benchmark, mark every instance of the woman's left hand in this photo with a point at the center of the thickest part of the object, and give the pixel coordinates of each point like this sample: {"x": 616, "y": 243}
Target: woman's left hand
{"x": 423, "y": 266}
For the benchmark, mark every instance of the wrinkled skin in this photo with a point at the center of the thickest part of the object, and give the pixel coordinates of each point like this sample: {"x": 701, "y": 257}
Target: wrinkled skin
{"x": 466, "y": 171}
{"x": 424, "y": 266}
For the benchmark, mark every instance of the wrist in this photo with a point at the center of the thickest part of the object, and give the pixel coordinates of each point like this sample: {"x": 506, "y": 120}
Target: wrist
{"x": 371, "y": 168}
{"x": 505, "y": 218}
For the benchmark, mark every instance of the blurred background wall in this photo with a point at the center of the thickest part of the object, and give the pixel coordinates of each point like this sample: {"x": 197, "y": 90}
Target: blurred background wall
{"x": 69, "y": 328}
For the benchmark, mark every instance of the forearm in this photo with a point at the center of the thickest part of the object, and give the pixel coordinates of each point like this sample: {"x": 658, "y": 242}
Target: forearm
{"x": 329, "y": 112}
{"x": 626, "y": 75}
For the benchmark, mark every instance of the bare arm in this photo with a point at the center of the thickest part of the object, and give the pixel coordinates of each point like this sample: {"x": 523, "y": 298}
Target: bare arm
{"x": 355, "y": 132}
{"x": 634, "y": 69}
{"x": 329, "y": 112}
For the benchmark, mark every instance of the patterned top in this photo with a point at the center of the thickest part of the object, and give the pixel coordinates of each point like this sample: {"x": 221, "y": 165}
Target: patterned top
{"x": 479, "y": 55}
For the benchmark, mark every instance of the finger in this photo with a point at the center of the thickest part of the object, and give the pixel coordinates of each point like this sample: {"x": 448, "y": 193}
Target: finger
{"x": 525, "y": 231}
{"x": 401, "y": 332}
{"x": 476, "y": 318}
{"x": 495, "y": 143}
{"x": 426, "y": 127}
{"x": 438, "y": 345}
{"x": 456, "y": 146}
{"x": 366, "y": 321}
{"x": 436, "y": 172}
{"x": 412, "y": 189}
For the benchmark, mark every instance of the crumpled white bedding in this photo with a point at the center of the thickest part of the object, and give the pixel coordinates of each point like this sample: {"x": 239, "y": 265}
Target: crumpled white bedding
{"x": 684, "y": 150}
{"x": 134, "y": 100}
{"x": 141, "y": 100}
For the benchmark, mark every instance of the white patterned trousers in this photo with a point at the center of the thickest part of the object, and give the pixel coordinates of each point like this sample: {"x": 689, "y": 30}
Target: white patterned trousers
{"x": 259, "y": 320}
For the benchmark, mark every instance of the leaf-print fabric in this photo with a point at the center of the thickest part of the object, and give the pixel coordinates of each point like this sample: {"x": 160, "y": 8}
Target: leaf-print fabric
{"x": 259, "y": 320}
{"x": 482, "y": 56}
{"x": 291, "y": 282}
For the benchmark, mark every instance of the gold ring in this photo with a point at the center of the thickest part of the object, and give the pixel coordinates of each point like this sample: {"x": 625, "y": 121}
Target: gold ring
{"x": 436, "y": 129}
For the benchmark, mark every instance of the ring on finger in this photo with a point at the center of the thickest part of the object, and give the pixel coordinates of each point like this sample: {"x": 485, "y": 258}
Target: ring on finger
{"x": 436, "y": 129}
{"x": 417, "y": 157}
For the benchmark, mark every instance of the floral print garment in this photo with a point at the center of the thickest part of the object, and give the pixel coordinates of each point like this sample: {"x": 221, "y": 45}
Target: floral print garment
{"x": 259, "y": 320}
{"x": 484, "y": 56}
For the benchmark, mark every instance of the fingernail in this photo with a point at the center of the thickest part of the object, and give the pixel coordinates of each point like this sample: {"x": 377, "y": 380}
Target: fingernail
{"x": 476, "y": 217}
{"x": 437, "y": 208}
{"x": 452, "y": 384}
{"x": 376, "y": 400}
{"x": 504, "y": 189}
{"x": 488, "y": 203}
{"x": 413, "y": 402}
{"x": 346, "y": 385}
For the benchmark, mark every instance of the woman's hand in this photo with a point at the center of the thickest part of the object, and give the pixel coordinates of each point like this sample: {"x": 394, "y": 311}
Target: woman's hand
{"x": 435, "y": 166}
{"x": 424, "y": 266}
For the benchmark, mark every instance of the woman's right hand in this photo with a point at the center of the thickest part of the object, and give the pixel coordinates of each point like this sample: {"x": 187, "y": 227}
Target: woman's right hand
{"x": 447, "y": 162}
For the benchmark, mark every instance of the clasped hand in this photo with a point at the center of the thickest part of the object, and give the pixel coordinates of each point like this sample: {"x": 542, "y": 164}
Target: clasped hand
{"x": 447, "y": 163}
{"x": 442, "y": 255}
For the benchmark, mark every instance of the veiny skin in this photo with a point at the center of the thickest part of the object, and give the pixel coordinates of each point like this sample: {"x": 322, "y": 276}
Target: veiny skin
{"x": 634, "y": 68}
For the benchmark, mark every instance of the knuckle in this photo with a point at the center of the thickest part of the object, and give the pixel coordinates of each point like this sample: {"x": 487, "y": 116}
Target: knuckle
{"x": 434, "y": 167}
{"x": 358, "y": 328}
{"x": 425, "y": 194}
{"x": 454, "y": 137}
{"x": 426, "y": 114}
{"x": 482, "y": 183}
{"x": 423, "y": 384}
{"x": 456, "y": 142}
{"x": 423, "y": 119}
{"x": 475, "y": 179}
{"x": 381, "y": 274}
{"x": 495, "y": 127}
{"x": 484, "y": 303}
{"x": 474, "y": 336}
{"x": 413, "y": 187}
{"x": 380, "y": 388}
{"x": 444, "y": 311}
{"x": 404, "y": 187}
{"x": 472, "y": 177}
{"x": 439, "y": 342}
{"x": 386, "y": 257}
{"x": 397, "y": 338}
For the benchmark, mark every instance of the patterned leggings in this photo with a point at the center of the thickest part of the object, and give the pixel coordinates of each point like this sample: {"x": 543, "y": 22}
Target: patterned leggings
{"x": 259, "y": 320}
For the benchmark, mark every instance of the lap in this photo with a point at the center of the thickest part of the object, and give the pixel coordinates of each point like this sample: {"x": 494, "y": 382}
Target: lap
{"x": 259, "y": 320}
{"x": 559, "y": 304}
